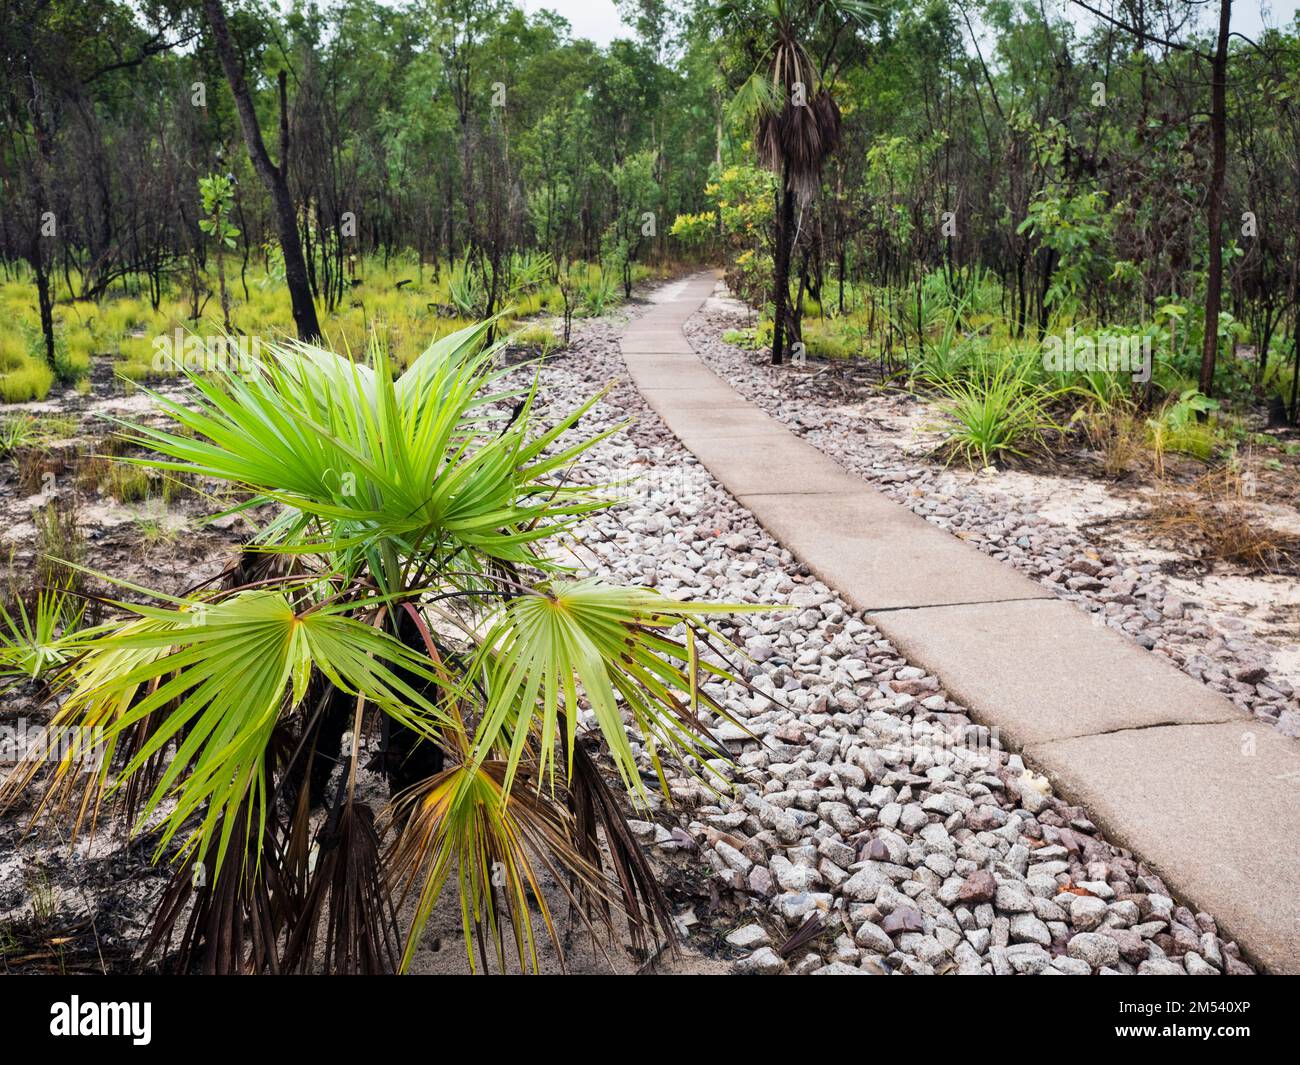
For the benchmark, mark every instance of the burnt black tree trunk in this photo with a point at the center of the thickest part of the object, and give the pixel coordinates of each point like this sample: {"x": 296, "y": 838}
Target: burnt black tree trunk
{"x": 42, "y": 164}
{"x": 1214, "y": 200}
{"x": 295, "y": 267}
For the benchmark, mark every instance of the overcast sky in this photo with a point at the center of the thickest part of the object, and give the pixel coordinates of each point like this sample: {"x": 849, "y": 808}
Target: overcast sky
{"x": 1248, "y": 16}
{"x": 598, "y": 20}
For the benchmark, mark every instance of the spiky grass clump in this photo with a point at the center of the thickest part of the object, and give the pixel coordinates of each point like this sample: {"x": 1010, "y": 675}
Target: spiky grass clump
{"x": 79, "y": 347}
{"x": 13, "y": 351}
{"x": 996, "y": 411}
{"x": 125, "y": 315}
{"x": 35, "y": 638}
{"x": 541, "y": 338}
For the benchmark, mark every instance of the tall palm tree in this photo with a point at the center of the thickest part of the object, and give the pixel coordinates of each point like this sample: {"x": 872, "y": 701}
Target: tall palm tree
{"x": 797, "y": 122}
{"x": 408, "y": 589}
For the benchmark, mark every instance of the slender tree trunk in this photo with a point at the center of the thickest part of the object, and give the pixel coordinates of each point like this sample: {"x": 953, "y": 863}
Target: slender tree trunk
{"x": 42, "y": 163}
{"x": 1295, "y": 371}
{"x": 225, "y": 293}
{"x": 295, "y": 267}
{"x": 781, "y": 269}
{"x": 43, "y": 298}
{"x": 1293, "y": 412}
{"x": 1214, "y": 202}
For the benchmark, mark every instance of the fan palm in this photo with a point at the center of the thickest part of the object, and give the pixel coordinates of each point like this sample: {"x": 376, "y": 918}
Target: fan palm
{"x": 797, "y": 122}
{"x": 406, "y": 587}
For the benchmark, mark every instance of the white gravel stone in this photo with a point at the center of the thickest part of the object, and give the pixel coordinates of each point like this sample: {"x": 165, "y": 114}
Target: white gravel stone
{"x": 749, "y": 937}
{"x": 1097, "y": 950}
{"x": 763, "y": 962}
{"x": 1087, "y": 913}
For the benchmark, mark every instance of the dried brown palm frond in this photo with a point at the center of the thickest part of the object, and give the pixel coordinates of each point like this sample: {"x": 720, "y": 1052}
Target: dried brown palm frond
{"x": 230, "y": 922}
{"x": 800, "y": 138}
{"x": 503, "y": 848}
{"x": 796, "y": 136}
{"x": 135, "y": 791}
{"x": 80, "y": 751}
{"x": 346, "y": 896}
{"x": 797, "y": 119}
{"x": 812, "y": 927}
{"x": 598, "y": 819}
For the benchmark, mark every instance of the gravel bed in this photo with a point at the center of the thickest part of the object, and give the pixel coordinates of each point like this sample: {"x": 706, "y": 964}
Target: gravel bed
{"x": 1131, "y": 597}
{"x": 865, "y": 801}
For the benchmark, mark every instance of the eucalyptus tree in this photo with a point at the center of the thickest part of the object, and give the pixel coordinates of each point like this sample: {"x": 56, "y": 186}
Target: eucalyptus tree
{"x": 64, "y": 67}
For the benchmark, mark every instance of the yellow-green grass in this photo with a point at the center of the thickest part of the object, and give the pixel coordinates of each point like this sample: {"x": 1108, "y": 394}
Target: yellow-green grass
{"x": 78, "y": 346}
{"x": 13, "y": 351}
{"x": 30, "y": 380}
{"x": 125, "y": 315}
{"x": 127, "y": 483}
{"x": 136, "y": 358}
{"x": 540, "y": 336}
{"x": 1197, "y": 439}
{"x": 125, "y": 326}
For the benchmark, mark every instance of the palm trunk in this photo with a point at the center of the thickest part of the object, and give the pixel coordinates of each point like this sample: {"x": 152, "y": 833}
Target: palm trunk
{"x": 407, "y": 757}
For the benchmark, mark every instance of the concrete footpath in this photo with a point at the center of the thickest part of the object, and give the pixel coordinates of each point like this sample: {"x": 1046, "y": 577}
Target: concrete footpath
{"x": 1208, "y": 797}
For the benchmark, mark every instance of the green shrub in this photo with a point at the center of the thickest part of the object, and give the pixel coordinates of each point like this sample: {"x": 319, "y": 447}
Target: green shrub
{"x": 1179, "y": 426}
{"x": 742, "y": 338}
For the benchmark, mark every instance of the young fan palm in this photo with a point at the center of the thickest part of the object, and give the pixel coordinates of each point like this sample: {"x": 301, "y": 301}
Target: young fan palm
{"x": 403, "y": 589}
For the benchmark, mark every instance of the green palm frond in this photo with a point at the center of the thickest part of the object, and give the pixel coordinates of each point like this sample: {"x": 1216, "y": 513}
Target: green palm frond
{"x": 608, "y": 643}
{"x": 754, "y": 98}
{"x": 215, "y": 678}
{"x": 402, "y": 467}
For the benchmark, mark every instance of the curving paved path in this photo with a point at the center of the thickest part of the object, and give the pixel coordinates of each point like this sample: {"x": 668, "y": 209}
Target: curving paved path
{"x": 1207, "y": 796}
